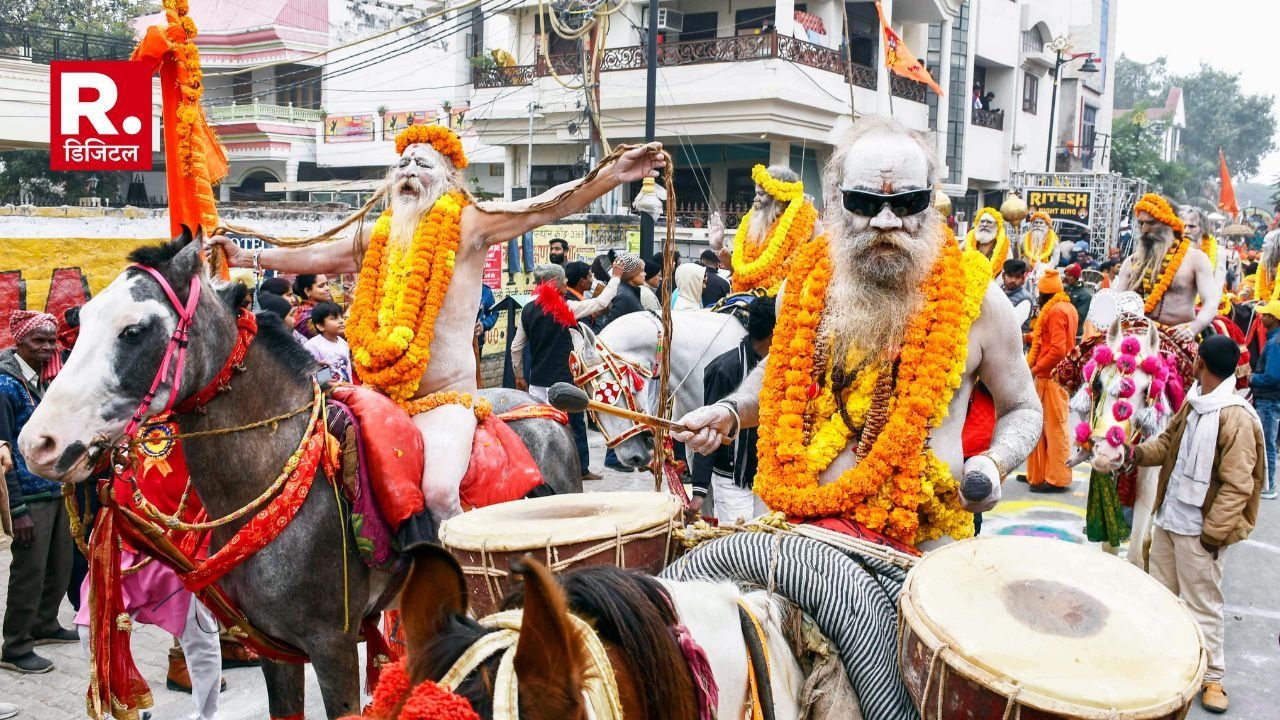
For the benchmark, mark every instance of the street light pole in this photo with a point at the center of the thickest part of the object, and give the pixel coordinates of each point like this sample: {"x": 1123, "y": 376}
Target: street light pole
{"x": 650, "y": 115}
{"x": 528, "y": 185}
{"x": 1053, "y": 110}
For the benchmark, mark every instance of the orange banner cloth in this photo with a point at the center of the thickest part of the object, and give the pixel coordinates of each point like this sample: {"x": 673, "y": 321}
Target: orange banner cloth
{"x": 899, "y": 58}
{"x": 194, "y": 160}
{"x": 1227, "y": 195}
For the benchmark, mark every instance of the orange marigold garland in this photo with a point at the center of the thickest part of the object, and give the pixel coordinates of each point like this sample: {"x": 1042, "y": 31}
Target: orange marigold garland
{"x": 399, "y": 296}
{"x": 899, "y": 488}
{"x": 1172, "y": 261}
{"x": 444, "y": 140}
{"x": 396, "y": 698}
{"x": 1034, "y": 352}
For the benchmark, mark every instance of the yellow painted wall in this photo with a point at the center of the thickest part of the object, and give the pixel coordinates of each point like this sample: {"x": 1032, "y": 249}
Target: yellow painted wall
{"x": 99, "y": 259}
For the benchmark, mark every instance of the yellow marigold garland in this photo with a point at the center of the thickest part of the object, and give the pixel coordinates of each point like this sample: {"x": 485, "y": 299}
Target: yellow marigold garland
{"x": 764, "y": 265}
{"x": 1209, "y": 246}
{"x": 1034, "y": 352}
{"x": 399, "y": 296}
{"x": 1001, "y": 251}
{"x": 1051, "y": 242}
{"x": 1160, "y": 209}
{"x": 444, "y": 140}
{"x": 781, "y": 190}
{"x": 1263, "y": 288}
{"x": 480, "y": 406}
{"x": 899, "y": 488}
{"x": 1171, "y": 264}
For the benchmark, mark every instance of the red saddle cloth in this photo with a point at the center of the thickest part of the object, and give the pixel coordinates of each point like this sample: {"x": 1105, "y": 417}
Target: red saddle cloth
{"x": 500, "y": 469}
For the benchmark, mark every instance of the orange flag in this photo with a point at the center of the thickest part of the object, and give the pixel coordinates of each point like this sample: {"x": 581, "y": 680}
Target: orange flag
{"x": 899, "y": 59}
{"x": 193, "y": 158}
{"x": 1227, "y": 195}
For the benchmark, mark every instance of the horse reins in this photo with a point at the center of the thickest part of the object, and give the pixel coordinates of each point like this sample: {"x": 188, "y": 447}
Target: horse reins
{"x": 175, "y": 351}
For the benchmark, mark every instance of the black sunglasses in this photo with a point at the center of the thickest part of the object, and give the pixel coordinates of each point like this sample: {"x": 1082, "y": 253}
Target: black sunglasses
{"x": 868, "y": 204}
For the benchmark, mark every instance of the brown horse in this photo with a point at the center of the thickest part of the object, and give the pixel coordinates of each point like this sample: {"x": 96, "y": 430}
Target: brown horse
{"x": 635, "y": 618}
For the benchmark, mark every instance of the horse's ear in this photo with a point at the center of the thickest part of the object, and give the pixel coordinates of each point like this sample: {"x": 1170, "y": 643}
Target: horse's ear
{"x": 1153, "y": 337}
{"x": 434, "y": 591}
{"x": 548, "y": 658}
{"x": 186, "y": 236}
{"x": 1113, "y": 333}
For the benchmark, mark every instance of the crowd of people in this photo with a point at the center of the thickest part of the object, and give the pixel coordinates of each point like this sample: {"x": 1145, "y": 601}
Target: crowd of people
{"x": 896, "y": 327}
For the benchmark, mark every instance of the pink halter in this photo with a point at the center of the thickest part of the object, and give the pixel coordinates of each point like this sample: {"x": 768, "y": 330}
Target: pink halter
{"x": 175, "y": 352}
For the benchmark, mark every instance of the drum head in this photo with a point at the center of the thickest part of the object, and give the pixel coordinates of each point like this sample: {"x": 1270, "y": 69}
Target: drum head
{"x": 1071, "y": 626}
{"x": 558, "y": 520}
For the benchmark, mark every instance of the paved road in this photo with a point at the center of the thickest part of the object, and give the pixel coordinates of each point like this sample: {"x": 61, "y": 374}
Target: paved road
{"x": 1253, "y": 620}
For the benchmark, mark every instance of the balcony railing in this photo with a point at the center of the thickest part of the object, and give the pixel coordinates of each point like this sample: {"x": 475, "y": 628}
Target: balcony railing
{"x": 43, "y": 45}
{"x": 993, "y": 119}
{"x": 907, "y": 88}
{"x": 692, "y": 52}
{"x": 262, "y": 111}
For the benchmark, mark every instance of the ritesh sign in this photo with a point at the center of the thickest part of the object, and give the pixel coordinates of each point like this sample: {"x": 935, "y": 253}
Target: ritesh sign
{"x": 1061, "y": 204}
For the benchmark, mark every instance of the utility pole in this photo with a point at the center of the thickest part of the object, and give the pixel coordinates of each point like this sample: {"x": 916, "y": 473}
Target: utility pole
{"x": 650, "y": 115}
{"x": 528, "y": 185}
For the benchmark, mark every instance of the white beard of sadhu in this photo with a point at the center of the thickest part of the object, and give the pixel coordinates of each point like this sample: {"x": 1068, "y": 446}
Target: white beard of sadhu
{"x": 875, "y": 286}
{"x": 411, "y": 200}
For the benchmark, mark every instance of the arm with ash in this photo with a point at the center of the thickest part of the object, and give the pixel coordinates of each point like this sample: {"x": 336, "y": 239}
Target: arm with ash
{"x": 1004, "y": 371}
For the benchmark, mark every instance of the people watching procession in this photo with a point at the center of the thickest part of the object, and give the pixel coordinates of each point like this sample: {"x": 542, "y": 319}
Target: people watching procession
{"x": 780, "y": 220}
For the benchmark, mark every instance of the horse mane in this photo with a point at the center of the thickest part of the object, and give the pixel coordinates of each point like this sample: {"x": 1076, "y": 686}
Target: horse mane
{"x": 154, "y": 256}
{"x": 456, "y": 636}
{"x": 633, "y": 613}
{"x": 278, "y": 340}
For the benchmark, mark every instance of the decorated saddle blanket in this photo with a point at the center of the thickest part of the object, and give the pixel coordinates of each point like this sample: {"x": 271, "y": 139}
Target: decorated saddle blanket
{"x": 389, "y": 447}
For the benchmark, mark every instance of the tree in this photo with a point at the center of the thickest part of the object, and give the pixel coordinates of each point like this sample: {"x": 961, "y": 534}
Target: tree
{"x": 1220, "y": 114}
{"x": 25, "y": 175}
{"x": 1141, "y": 82}
{"x": 105, "y": 17}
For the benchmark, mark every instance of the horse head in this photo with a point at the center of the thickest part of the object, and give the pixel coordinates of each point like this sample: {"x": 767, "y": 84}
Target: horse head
{"x": 125, "y": 332}
{"x": 1129, "y": 392}
{"x": 622, "y": 381}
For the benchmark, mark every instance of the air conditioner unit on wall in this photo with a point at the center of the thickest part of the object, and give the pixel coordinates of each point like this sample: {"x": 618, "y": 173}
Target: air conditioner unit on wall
{"x": 668, "y": 20}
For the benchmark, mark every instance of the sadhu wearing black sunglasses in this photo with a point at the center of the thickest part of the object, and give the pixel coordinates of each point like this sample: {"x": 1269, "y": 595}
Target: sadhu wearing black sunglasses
{"x": 884, "y": 324}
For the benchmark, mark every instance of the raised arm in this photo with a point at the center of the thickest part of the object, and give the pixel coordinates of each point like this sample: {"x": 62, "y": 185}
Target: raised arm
{"x": 333, "y": 257}
{"x": 493, "y": 223}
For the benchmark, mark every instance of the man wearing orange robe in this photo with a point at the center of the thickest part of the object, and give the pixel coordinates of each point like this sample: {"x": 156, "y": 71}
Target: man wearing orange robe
{"x": 1047, "y": 469}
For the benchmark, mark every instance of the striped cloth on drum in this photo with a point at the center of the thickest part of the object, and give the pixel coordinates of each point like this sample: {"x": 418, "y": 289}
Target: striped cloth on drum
{"x": 852, "y": 598}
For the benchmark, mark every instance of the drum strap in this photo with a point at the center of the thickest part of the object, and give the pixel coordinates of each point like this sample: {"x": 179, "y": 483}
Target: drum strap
{"x": 600, "y": 687}
{"x": 761, "y": 691}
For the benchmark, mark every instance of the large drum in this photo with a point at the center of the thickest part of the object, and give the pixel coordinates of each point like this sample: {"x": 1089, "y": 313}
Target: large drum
{"x": 1032, "y": 628}
{"x": 626, "y": 529}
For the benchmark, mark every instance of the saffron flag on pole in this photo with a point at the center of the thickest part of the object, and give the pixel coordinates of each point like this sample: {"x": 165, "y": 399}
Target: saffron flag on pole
{"x": 898, "y": 57}
{"x": 1227, "y": 194}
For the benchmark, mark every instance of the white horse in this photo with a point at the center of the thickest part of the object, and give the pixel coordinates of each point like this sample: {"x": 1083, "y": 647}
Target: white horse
{"x": 1130, "y": 393}
{"x": 620, "y": 367}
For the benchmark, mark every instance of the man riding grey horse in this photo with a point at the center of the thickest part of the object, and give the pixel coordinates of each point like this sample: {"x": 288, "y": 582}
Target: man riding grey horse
{"x": 427, "y": 173}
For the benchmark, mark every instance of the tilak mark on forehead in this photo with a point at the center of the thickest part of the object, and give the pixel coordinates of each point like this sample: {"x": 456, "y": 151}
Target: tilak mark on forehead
{"x": 886, "y": 164}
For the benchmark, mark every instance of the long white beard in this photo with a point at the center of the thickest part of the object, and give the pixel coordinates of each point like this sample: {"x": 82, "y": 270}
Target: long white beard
{"x": 1146, "y": 258}
{"x": 1038, "y": 240}
{"x": 407, "y": 210}
{"x": 761, "y": 219}
{"x": 874, "y": 293}
{"x": 984, "y": 237}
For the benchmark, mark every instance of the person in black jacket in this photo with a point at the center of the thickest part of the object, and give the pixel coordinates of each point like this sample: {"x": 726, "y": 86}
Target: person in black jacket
{"x": 627, "y": 300}
{"x": 730, "y": 472}
{"x": 716, "y": 287}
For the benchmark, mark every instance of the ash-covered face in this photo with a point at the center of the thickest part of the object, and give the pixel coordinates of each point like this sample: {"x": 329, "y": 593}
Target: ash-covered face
{"x": 1191, "y": 226}
{"x": 1153, "y": 231}
{"x": 985, "y": 231}
{"x": 1039, "y": 228}
{"x": 885, "y": 248}
{"x": 416, "y": 182}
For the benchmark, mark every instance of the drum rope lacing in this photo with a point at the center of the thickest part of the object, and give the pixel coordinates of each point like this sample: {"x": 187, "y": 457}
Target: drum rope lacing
{"x": 599, "y": 685}
{"x": 493, "y": 576}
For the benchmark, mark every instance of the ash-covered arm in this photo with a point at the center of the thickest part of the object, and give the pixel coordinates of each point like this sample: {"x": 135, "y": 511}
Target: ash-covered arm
{"x": 1019, "y": 417}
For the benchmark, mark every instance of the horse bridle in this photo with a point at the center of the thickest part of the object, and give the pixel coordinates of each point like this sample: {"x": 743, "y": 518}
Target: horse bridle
{"x": 175, "y": 352}
{"x": 600, "y": 379}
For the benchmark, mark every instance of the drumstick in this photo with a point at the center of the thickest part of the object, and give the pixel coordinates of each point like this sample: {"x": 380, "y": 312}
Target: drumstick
{"x": 571, "y": 398}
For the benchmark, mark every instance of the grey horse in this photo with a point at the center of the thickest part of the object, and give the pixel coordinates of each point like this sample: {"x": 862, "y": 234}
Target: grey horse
{"x": 293, "y": 588}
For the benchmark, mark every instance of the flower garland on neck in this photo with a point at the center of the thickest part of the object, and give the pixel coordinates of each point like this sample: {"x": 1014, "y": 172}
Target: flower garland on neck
{"x": 1209, "y": 246}
{"x": 899, "y": 487}
{"x": 764, "y": 264}
{"x": 1171, "y": 261}
{"x": 1263, "y": 289}
{"x": 399, "y": 296}
{"x": 1001, "y": 251}
{"x": 1037, "y": 257}
{"x": 1034, "y": 352}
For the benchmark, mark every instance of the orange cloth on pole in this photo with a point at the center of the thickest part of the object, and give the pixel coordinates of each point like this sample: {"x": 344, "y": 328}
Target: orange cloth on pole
{"x": 1227, "y": 195}
{"x": 194, "y": 160}
{"x": 1048, "y": 461}
{"x": 1057, "y": 329}
{"x": 899, "y": 58}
